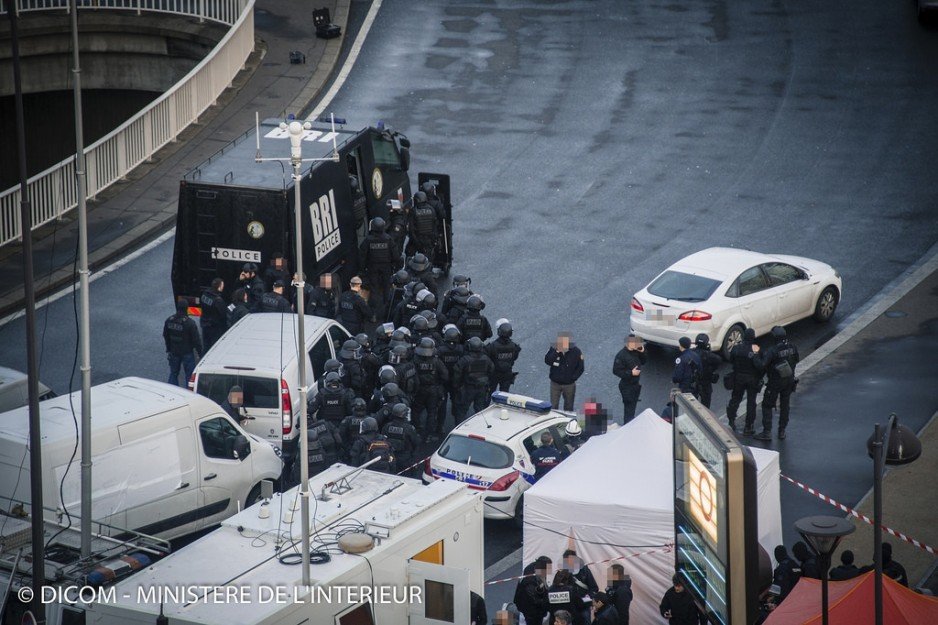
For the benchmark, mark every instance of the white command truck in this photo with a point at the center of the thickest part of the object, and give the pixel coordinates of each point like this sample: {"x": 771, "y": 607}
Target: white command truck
{"x": 386, "y": 550}
{"x": 165, "y": 461}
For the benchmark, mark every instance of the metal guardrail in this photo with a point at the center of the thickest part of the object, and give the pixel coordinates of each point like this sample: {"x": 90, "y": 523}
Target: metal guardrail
{"x": 53, "y": 192}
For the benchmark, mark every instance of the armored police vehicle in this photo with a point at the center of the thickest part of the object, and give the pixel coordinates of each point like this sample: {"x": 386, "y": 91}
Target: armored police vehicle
{"x": 234, "y": 210}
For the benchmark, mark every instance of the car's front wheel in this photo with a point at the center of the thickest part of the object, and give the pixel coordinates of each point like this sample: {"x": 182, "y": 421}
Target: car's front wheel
{"x": 733, "y": 337}
{"x": 254, "y": 496}
{"x": 826, "y": 305}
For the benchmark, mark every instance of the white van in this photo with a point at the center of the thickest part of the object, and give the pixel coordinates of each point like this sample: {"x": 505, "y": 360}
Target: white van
{"x": 259, "y": 354}
{"x": 14, "y": 391}
{"x": 166, "y": 462}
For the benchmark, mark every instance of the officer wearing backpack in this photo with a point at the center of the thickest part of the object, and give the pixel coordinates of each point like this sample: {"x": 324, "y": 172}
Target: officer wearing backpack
{"x": 315, "y": 457}
{"x": 370, "y": 445}
{"x": 402, "y": 435}
{"x": 779, "y": 362}
{"x": 687, "y": 367}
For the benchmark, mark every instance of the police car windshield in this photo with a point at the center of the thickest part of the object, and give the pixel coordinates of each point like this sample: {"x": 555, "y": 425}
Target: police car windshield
{"x": 476, "y": 453}
{"x": 683, "y": 286}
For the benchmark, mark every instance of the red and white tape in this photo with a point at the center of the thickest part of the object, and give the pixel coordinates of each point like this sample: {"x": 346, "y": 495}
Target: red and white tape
{"x": 862, "y": 517}
{"x": 416, "y": 464}
{"x": 666, "y": 549}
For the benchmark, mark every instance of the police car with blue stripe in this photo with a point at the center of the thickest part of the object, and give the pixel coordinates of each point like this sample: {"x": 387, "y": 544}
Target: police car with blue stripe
{"x": 491, "y": 451}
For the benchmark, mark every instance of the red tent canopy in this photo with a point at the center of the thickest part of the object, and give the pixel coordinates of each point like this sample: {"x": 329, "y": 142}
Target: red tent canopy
{"x": 851, "y": 603}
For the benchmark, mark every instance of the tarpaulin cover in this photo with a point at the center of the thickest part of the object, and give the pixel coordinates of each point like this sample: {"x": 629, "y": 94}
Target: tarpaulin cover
{"x": 851, "y": 603}
{"x": 615, "y": 497}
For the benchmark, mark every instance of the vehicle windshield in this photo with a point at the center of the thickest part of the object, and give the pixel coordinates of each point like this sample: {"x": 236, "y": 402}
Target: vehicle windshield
{"x": 683, "y": 286}
{"x": 475, "y": 452}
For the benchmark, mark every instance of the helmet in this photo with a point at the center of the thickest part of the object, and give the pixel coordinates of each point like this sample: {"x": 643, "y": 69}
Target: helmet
{"x": 451, "y": 333}
{"x": 332, "y": 365}
{"x": 401, "y": 278}
{"x": 351, "y": 349}
{"x": 384, "y": 331}
{"x": 377, "y": 225}
{"x": 419, "y": 262}
{"x": 474, "y": 344}
{"x": 390, "y": 391}
{"x": 779, "y": 333}
{"x": 430, "y": 316}
{"x": 398, "y": 336}
{"x": 428, "y": 187}
{"x": 429, "y": 301}
{"x": 312, "y": 435}
{"x": 364, "y": 340}
{"x": 359, "y": 407}
{"x": 702, "y": 341}
{"x": 504, "y": 328}
{"x": 474, "y": 303}
{"x": 423, "y": 294}
{"x": 573, "y": 428}
{"x": 461, "y": 280}
{"x": 400, "y": 411}
{"x": 406, "y": 332}
{"x": 368, "y": 424}
{"x": 398, "y": 355}
{"x": 386, "y": 375}
{"x": 333, "y": 381}
{"x": 427, "y": 346}
{"x": 461, "y": 295}
{"x": 420, "y": 197}
{"x": 419, "y": 323}
{"x": 353, "y": 182}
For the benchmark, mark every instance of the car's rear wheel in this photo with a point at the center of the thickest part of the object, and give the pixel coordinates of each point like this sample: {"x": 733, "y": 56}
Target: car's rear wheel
{"x": 826, "y": 305}
{"x": 733, "y": 337}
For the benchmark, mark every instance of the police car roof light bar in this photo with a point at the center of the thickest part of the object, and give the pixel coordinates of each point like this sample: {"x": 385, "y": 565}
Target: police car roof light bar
{"x": 541, "y": 406}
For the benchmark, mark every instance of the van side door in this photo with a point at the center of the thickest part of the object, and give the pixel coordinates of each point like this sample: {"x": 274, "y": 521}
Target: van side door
{"x": 224, "y": 478}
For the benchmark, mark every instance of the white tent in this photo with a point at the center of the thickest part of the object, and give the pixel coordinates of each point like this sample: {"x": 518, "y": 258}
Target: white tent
{"x": 614, "y": 497}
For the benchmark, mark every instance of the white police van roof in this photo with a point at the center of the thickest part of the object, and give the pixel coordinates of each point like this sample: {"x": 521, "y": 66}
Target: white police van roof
{"x": 241, "y": 552}
{"x": 508, "y": 415}
{"x": 262, "y": 342}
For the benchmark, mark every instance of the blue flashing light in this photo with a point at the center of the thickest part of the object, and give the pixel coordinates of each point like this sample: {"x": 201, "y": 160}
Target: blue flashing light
{"x": 327, "y": 120}
{"x": 380, "y": 124}
{"x": 291, "y": 117}
{"x": 521, "y": 401}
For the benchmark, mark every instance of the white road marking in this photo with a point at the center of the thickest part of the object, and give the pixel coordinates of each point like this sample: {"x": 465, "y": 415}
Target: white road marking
{"x": 349, "y": 62}
{"x": 117, "y": 264}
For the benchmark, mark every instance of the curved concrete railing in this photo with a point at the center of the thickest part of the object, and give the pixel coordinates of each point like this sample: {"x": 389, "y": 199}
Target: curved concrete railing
{"x": 53, "y": 192}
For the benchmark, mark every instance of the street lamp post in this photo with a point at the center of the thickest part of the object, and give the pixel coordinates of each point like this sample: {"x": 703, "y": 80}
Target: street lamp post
{"x": 896, "y": 446}
{"x": 823, "y": 534}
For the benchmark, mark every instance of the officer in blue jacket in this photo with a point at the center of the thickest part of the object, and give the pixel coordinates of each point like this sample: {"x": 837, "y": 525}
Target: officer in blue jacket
{"x": 545, "y": 457}
{"x": 687, "y": 367}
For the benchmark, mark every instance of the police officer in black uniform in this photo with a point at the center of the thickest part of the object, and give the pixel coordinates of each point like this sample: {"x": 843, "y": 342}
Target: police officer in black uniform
{"x": 334, "y": 402}
{"x": 456, "y": 304}
{"x": 747, "y": 378}
{"x": 386, "y": 375}
{"x": 504, "y": 353}
{"x": 350, "y": 356}
{"x": 253, "y": 285}
{"x": 449, "y": 352}
{"x": 214, "y": 318}
{"x": 433, "y": 376}
{"x": 408, "y": 306}
{"x": 423, "y": 227}
{"x": 472, "y": 374}
{"x": 473, "y": 322}
{"x": 238, "y": 309}
{"x": 371, "y": 444}
{"x": 276, "y": 270}
{"x": 709, "y": 364}
{"x": 382, "y": 342}
{"x": 378, "y": 257}
{"x": 420, "y": 329}
{"x": 370, "y": 363}
{"x": 275, "y": 302}
{"x": 181, "y": 336}
{"x": 315, "y": 457}
{"x": 686, "y": 367}
{"x": 421, "y": 268}
{"x": 779, "y": 362}
{"x": 459, "y": 281}
{"x": 332, "y": 366}
{"x": 407, "y": 380}
{"x": 398, "y": 293}
{"x": 349, "y": 426}
{"x": 627, "y": 366}
{"x": 397, "y": 224}
{"x": 321, "y": 300}
{"x": 402, "y": 435}
{"x": 390, "y": 395}
{"x": 353, "y": 310}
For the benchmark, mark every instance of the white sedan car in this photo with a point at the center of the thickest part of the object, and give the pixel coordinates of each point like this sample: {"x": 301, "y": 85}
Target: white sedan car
{"x": 491, "y": 451}
{"x": 721, "y": 291}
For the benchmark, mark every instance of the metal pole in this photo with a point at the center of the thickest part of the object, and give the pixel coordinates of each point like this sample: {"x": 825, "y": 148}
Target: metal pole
{"x": 825, "y": 562}
{"x": 84, "y": 334}
{"x": 296, "y": 135}
{"x": 880, "y": 445}
{"x": 32, "y": 369}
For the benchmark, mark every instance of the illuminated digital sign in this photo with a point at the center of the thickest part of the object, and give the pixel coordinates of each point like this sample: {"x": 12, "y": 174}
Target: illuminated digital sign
{"x": 716, "y": 548}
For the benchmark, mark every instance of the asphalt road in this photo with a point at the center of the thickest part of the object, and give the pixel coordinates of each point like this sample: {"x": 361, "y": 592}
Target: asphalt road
{"x": 592, "y": 143}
